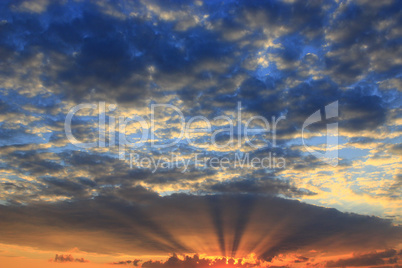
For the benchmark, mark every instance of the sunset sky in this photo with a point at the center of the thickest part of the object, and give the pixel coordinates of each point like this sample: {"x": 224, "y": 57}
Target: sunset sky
{"x": 193, "y": 134}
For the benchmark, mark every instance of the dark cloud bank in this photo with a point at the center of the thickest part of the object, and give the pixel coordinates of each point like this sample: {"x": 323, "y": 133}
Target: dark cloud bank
{"x": 139, "y": 221}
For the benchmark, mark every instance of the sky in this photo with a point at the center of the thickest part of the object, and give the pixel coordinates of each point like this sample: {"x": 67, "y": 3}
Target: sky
{"x": 198, "y": 134}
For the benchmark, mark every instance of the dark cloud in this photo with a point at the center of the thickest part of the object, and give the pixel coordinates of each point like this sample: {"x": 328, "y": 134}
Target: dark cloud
{"x": 145, "y": 224}
{"x": 395, "y": 188}
{"x": 361, "y": 112}
{"x": 359, "y": 42}
{"x": 67, "y": 258}
{"x": 361, "y": 140}
{"x": 104, "y": 170}
{"x": 396, "y": 149}
{"x": 64, "y": 187}
{"x": 256, "y": 186}
{"x": 197, "y": 262}
{"x": 90, "y": 55}
{"x": 375, "y": 258}
{"x": 128, "y": 262}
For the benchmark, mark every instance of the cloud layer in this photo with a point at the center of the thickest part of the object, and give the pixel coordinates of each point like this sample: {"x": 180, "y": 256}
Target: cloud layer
{"x": 271, "y": 59}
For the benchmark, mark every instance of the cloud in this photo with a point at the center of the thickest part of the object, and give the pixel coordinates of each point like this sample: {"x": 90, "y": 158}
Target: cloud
{"x": 281, "y": 58}
{"x": 67, "y": 258}
{"x": 128, "y": 262}
{"x": 374, "y": 258}
{"x": 256, "y": 186}
{"x": 197, "y": 262}
{"x": 240, "y": 223}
